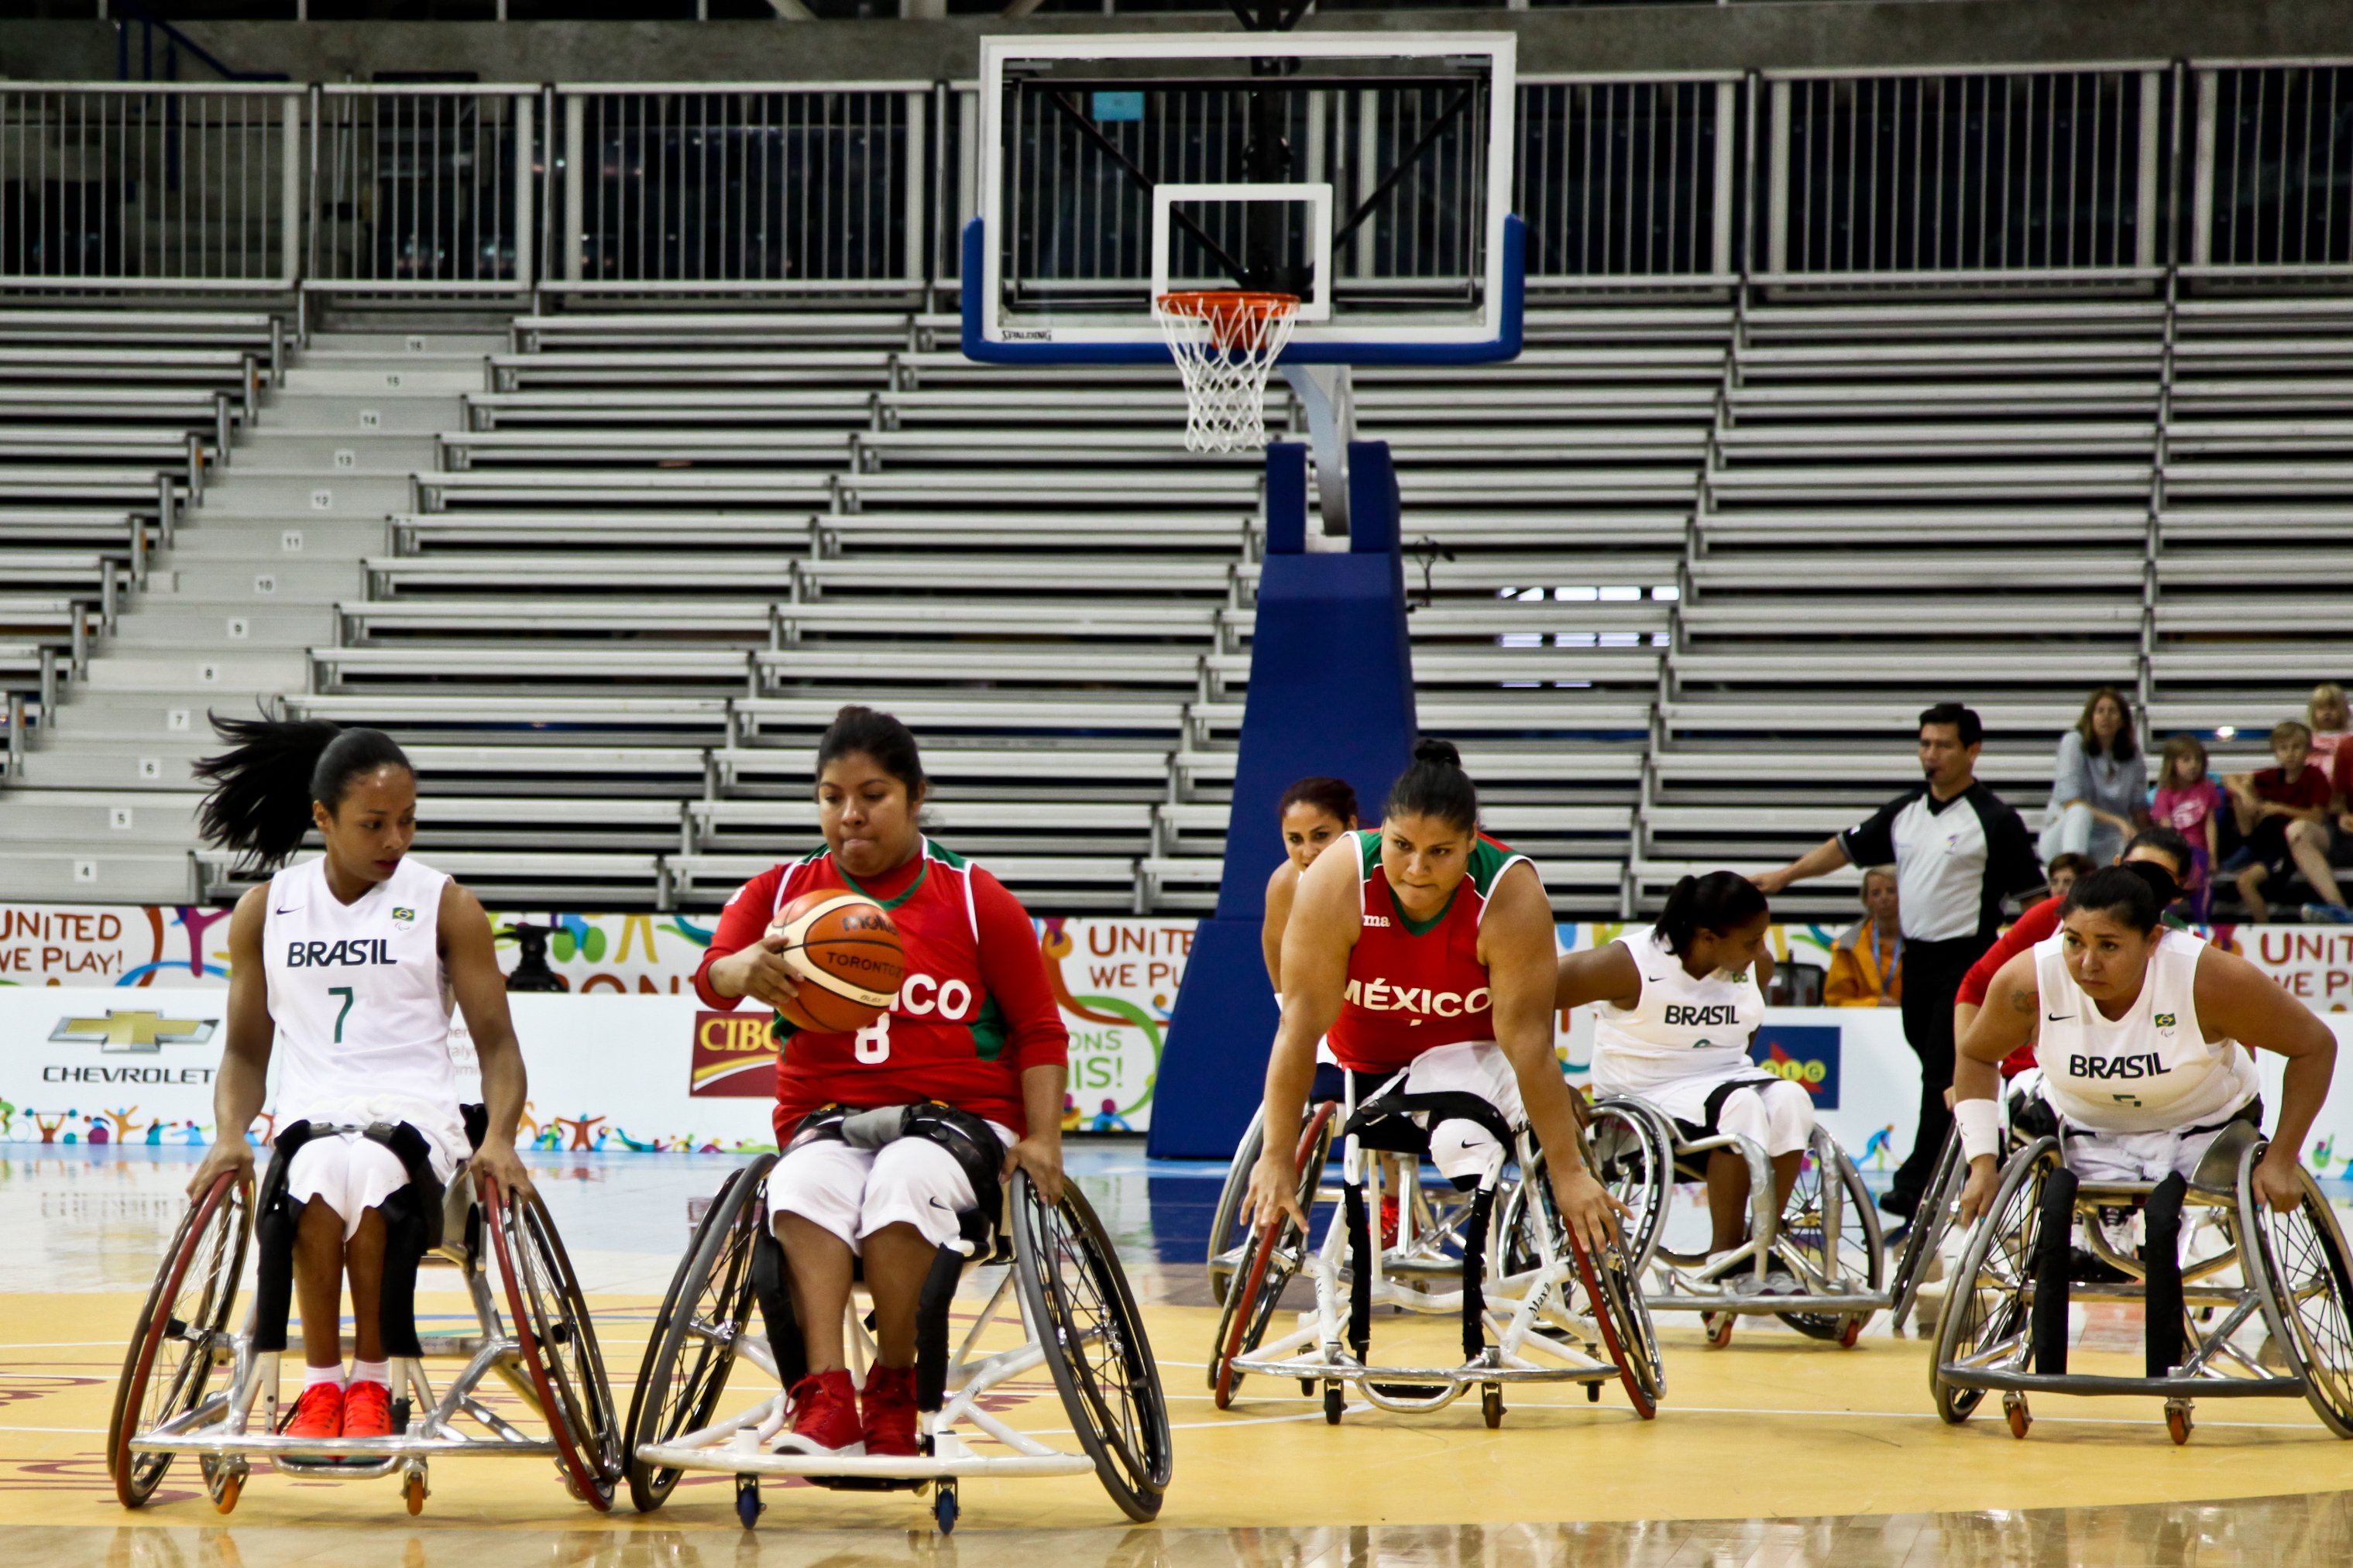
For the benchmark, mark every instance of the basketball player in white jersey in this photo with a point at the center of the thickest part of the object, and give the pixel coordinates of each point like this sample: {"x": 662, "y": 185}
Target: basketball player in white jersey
{"x": 344, "y": 968}
{"x": 1679, "y": 1006}
{"x": 2142, "y": 1031}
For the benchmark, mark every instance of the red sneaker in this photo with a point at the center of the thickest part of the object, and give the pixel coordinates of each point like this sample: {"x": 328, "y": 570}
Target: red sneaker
{"x": 367, "y": 1410}
{"x": 824, "y": 1416}
{"x": 318, "y": 1415}
{"x": 1388, "y": 1221}
{"x": 890, "y": 1404}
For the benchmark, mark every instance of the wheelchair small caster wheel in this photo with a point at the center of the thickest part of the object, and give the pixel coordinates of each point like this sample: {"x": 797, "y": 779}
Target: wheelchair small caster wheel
{"x": 945, "y": 1507}
{"x": 413, "y": 1492}
{"x": 2014, "y": 1411}
{"x": 748, "y": 1506}
{"x": 1333, "y": 1404}
{"x": 1593, "y": 1393}
{"x": 2177, "y": 1420}
{"x": 1849, "y": 1333}
{"x": 1719, "y": 1329}
{"x": 1491, "y": 1404}
{"x": 225, "y": 1488}
{"x": 1306, "y": 1388}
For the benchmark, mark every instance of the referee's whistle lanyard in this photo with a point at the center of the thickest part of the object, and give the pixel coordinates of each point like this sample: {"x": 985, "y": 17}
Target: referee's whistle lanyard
{"x": 1893, "y": 962}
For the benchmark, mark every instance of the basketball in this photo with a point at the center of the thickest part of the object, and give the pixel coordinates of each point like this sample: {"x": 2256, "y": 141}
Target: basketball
{"x": 845, "y": 956}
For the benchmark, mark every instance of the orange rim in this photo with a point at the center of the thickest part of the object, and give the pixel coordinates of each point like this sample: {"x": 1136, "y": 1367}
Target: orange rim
{"x": 1229, "y": 311}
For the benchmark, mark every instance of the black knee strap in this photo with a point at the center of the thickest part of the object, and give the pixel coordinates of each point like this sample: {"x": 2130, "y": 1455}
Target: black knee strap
{"x": 412, "y": 1218}
{"x": 776, "y": 1298}
{"x": 1360, "y": 1268}
{"x": 1474, "y": 1273}
{"x": 2051, "y": 1257}
{"x": 2161, "y": 1270}
{"x": 932, "y": 1327}
{"x": 273, "y": 1235}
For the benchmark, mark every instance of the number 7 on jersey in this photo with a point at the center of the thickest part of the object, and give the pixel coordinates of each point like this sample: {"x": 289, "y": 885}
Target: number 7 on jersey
{"x": 345, "y": 992}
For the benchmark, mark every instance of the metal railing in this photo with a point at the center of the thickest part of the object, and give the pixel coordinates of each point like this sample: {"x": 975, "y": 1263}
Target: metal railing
{"x": 192, "y": 186}
{"x": 1985, "y": 174}
{"x": 1994, "y": 177}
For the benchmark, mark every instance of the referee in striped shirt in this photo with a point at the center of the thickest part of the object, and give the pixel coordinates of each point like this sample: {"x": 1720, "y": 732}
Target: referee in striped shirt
{"x": 1959, "y": 851}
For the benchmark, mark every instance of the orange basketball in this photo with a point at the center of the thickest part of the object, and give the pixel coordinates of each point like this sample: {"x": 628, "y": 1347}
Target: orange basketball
{"x": 845, "y": 956}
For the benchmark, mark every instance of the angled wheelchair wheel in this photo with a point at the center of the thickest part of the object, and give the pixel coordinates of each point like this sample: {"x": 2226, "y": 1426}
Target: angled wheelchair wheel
{"x": 1229, "y": 1244}
{"x": 2304, "y": 1281}
{"x": 1985, "y": 1316}
{"x": 558, "y": 1343}
{"x": 703, "y": 1316}
{"x": 1075, "y": 1299}
{"x": 1926, "y": 1237}
{"x": 1277, "y": 1254}
{"x": 183, "y": 1330}
{"x": 1835, "y": 1244}
{"x": 1612, "y": 1285}
{"x": 1633, "y": 1152}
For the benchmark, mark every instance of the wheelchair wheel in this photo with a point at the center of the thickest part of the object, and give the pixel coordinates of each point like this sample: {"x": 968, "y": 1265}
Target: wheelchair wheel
{"x": 181, "y": 1330}
{"x": 558, "y": 1343}
{"x": 1075, "y": 1299}
{"x": 693, "y": 1346}
{"x": 1840, "y": 1257}
{"x": 1986, "y": 1304}
{"x": 1633, "y": 1154}
{"x": 1613, "y": 1287}
{"x": 1927, "y": 1235}
{"x": 1278, "y": 1253}
{"x": 2305, "y": 1285}
{"x": 1229, "y": 1244}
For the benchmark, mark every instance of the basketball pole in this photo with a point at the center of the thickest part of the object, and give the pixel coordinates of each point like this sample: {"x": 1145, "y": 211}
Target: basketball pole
{"x": 1327, "y": 394}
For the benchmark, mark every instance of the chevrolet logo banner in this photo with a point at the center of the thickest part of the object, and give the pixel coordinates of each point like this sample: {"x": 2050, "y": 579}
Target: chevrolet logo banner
{"x": 134, "y": 1031}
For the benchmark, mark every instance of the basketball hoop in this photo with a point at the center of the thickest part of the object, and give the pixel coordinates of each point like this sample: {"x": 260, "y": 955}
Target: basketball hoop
{"x": 1225, "y": 343}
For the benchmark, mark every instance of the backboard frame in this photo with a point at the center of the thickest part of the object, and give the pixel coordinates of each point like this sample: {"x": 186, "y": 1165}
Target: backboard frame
{"x": 994, "y": 335}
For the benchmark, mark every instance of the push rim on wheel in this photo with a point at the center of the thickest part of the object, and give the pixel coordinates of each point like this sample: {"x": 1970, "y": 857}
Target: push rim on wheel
{"x": 1851, "y": 1260}
{"x": 1228, "y": 1252}
{"x": 2305, "y": 1286}
{"x": 1278, "y": 1252}
{"x": 1986, "y": 1297}
{"x": 1926, "y": 1233}
{"x": 1633, "y": 1156}
{"x": 557, "y": 1341}
{"x": 170, "y": 1355}
{"x": 1077, "y": 1303}
{"x": 1225, "y": 343}
{"x": 692, "y": 1347}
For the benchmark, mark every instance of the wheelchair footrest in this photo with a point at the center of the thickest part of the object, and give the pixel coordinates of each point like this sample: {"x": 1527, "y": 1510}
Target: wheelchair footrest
{"x": 881, "y": 1471}
{"x": 335, "y": 1456}
{"x": 1415, "y": 1379}
{"x": 2152, "y": 1387}
{"x": 1749, "y": 1303}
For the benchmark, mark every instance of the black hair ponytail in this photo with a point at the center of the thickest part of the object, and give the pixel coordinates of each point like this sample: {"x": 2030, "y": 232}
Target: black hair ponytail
{"x": 2122, "y": 893}
{"x": 1435, "y": 785}
{"x": 259, "y": 804}
{"x": 1720, "y": 902}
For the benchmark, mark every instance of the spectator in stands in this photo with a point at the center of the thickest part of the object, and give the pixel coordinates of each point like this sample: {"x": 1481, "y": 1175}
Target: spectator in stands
{"x": 2330, "y": 719}
{"x": 1959, "y": 851}
{"x": 1867, "y": 959}
{"x": 2191, "y": 804}
{"x": 2063, "y": 871}
{"x": 2100, "y": 784}
{"x": 2283, "y": 822}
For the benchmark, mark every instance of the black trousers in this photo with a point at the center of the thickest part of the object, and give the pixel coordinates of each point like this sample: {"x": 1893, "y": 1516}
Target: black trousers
{"x": 1932, "y": 975}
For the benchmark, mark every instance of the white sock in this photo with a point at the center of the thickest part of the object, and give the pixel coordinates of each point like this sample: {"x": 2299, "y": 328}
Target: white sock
{"x": 312, "y": 1375}
{"x": 372, "y": 1371}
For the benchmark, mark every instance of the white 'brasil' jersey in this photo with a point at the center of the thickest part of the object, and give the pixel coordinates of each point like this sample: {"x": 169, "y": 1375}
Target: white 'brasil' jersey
{"x": 2152, "y": 1070}
{"x": 357, "y": 992}
{"x": 1680, "y": 1029}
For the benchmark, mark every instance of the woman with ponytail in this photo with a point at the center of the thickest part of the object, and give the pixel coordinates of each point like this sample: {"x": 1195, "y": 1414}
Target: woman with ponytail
{"x": 1679, "y": 1005}
{"x": 343, "y": 967}
{"x": 1423, "y": 950}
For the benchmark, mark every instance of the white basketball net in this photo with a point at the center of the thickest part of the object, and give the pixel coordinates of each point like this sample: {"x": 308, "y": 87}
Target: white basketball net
{"x": 1225, "y": 344}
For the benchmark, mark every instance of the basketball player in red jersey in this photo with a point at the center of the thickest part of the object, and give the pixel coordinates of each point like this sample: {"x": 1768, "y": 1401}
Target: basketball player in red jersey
{"x": 1426, "y": 946}
{"x": 973, "y": 1025}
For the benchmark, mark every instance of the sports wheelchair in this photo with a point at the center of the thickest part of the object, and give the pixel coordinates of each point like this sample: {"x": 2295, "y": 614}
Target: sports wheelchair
{"x": 2241, "y": 1267}
{"x": 1515, "y": 1284}
{"x": 191, "y": 1386}
{"x": 1075, "y": 1315}
{"x": 1826, "y": 1236}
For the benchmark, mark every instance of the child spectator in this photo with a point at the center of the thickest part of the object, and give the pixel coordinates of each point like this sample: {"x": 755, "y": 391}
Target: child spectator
{"x": 1867, "y": 959}
{"x": 2281, "y": 813}
{"x": 2191, "y": 805}
{"x": 2330, "y": 719}
{"x": 2064, "y": 870}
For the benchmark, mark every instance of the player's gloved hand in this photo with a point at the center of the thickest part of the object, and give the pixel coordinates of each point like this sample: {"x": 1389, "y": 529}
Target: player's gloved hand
{"x": 1587, "y": 1207}
{"x": 231, "y": 1155}
{"x": 1976, "y": 1192}
{"x": 1039, "y": 1155}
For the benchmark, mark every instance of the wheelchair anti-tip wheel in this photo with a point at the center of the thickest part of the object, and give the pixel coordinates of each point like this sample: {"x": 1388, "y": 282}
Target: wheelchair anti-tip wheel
{"x": 182, "y": 1335}
{"x": 2301, "y": 1269}
{"x": 1076, "y": 1301}
{"x": 1229, "y": 1242}
{"x": 692, "y": 1349}
{"x": 1278, "y": 1252}
{"x": 558, "y": 1343}
{"x": 1839, "y": 1261}
{"x": 1986, "y": 1303}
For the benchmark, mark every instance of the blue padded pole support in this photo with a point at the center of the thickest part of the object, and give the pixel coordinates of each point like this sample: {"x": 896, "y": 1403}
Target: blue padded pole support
{"x": 1331, "y": 692}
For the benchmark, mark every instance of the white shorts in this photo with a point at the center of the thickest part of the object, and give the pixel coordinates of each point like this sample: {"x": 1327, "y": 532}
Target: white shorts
{"x": 1765, "y": 1110}
{"x": 853, "y": 1193}
{"x": 2134, "y": 1156}
{"x": 350, "y": 1173}
{"x": 1462, "y": 1150}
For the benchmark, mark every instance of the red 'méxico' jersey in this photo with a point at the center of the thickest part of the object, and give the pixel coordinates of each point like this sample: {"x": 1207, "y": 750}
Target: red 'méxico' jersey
{"x": 1413, "y": 986}
{"x": 973, "y": 1011}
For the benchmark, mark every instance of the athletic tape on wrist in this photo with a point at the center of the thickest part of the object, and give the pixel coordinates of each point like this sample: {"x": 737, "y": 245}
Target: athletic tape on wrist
{"x": 1980, "y": 1124}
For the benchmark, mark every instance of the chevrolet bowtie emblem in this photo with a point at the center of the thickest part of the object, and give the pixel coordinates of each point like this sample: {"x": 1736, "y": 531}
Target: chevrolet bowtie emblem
{"x": 134, "y": 1031}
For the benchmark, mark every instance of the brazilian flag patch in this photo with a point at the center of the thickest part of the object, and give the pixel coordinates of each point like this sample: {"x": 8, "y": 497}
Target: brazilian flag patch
{"x": 2165, "y": 1020}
